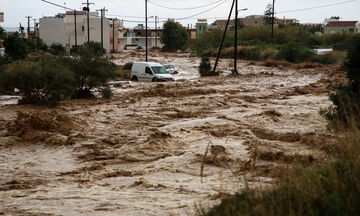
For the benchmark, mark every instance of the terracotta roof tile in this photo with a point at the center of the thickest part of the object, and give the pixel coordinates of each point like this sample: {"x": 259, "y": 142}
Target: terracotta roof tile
{"x": 342, "y": 23}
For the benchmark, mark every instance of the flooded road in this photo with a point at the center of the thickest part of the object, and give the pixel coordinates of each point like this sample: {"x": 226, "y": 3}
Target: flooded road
{"x": 141, "y": 152}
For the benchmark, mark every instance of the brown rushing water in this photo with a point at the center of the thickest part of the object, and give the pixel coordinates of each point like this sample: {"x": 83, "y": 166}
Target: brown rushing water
{"x": 140, "y": 153}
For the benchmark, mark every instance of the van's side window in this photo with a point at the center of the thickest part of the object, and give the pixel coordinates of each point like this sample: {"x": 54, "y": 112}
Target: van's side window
{"x": 148, "y": 70}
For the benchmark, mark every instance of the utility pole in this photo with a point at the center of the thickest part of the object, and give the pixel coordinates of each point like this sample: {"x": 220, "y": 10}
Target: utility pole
{"x": 28, "y": 30}
{"x": 235, "y": 72}
{"x": 34, "y": 24}
{"x": 114, "y": 35}
{"x": 156, "y": 33}
{"x": 223, "y": 38}
{"x": 102, "y": 11}
{"x": 87, "y": 8}
{"x": 75, "y": 14}
{"x": 272, "y": 20}
{"x": 146, "y": 32}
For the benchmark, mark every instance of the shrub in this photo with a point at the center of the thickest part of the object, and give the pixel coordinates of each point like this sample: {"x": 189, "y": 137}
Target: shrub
{"x": 345, "y": 111}
{"x": 322, "y": 189}
{"x": 327, "y": 58}
{"x": 205, "y": 66}
{"x": 91, "y": 48}
{"x": 40, "y": 80}
{"x": 313, "y": 41}
{"x": 57, "y": 49}
{"x": 294, "y": 52}
{"x": 91, "y": 71}
{"x": 106, "y": 92}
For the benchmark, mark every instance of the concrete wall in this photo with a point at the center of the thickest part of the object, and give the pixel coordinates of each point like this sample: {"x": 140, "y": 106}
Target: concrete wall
{"x": 340, "y": 29}
{"x": 80, "y": 29}
{"x": 141, "y": 41}
{"x": 253, "y": 21}
{"x": 62, "y": 30}
{"x": 52, "y": 30}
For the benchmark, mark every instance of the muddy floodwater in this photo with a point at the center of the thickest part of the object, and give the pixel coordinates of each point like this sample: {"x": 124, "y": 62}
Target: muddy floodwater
{"x": 142, "y": 152}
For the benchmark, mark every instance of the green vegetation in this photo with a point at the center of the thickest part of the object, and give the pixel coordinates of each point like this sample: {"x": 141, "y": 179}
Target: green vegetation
{"x": 18, "y": 48}
{"x": 321, "y": 189}
{"x": 106, "y": 92}
{"x": 330, "y": 189}
{"x": 91, "y": 69}
{"x": 294, "y": 52}
{"x": 205, "y": 66}
{"x": 174, "y": 36}
{"x": 57, "y": 49}
{"x": 346, "y": 100}
{"x": 43, "y": 78}
{"x": 254, "y": 43}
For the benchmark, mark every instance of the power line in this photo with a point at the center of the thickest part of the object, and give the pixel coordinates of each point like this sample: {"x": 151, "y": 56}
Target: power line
{"x": 57, "y": 5}
{"x": 190, "y": 8}
{"x": 317, "y": 7}
{"x": 115, "y": 15}
{"x": 201, "y": 12}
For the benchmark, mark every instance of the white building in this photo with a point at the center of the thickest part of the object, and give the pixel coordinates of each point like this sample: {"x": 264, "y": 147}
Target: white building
{"x": 61, "y": 29}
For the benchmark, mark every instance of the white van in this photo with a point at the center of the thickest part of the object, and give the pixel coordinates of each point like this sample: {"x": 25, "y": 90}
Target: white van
{"x": 149, "y": 71}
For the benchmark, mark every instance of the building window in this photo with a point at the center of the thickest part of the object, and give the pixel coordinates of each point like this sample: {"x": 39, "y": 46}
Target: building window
{"x": 82, "y": 28}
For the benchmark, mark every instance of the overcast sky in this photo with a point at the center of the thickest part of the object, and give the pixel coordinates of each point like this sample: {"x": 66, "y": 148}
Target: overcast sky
{"x": 16, "y": 10}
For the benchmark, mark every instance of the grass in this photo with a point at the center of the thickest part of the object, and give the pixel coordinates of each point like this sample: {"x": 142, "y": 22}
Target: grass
{"x": 254, "y": 43}
{"x": 322, "y": 189}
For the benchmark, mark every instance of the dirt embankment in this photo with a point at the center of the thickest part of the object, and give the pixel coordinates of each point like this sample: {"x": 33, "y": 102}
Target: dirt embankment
{"x": 143, "y": 152}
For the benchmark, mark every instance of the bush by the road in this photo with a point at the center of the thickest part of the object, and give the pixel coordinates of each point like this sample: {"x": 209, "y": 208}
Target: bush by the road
{"x": 18, "y": 48}
{"x": 345, "y": 111}
{"x": 91, "y": 71}
{"x": 106, "y": 92}
{"x": 331, "y": 189}
{"x": 294, "y": 52}
{"x": 48, "y": 79}
{"x": 41, "y": 80}
{"x": 205, "y": 66}
{"x": 57, "y": 49}
{"x": 90, "y": 49}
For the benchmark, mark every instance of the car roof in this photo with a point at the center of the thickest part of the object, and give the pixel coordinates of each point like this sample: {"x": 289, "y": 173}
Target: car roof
{"x": 149, "y": 63}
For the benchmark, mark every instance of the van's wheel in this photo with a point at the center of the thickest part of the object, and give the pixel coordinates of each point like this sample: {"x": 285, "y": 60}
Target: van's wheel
{"x": 154, "y": 79}
{"x": 134, "y": 78}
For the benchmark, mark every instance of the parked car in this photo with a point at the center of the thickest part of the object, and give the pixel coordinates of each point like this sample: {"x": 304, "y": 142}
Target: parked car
{"x": 139, "y": 48}
{"x": 171, "y": 69}
{"x": 149, "y": 71}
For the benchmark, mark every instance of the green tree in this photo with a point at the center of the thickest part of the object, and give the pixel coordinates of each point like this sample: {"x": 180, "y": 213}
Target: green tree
{"x": 174, "y": 36}
{"x": 91, "y": 69}
{"x": 268, "y": 14}
{"x": 16, "y": 47}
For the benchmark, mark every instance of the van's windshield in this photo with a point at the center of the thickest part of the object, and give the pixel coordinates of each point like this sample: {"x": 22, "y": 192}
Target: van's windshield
{"x": 158, "y": 70}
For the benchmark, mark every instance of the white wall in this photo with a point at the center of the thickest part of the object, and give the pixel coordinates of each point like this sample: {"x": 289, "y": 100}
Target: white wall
{"x": 52, "y": 30}
{"x": 62, "y": 30}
